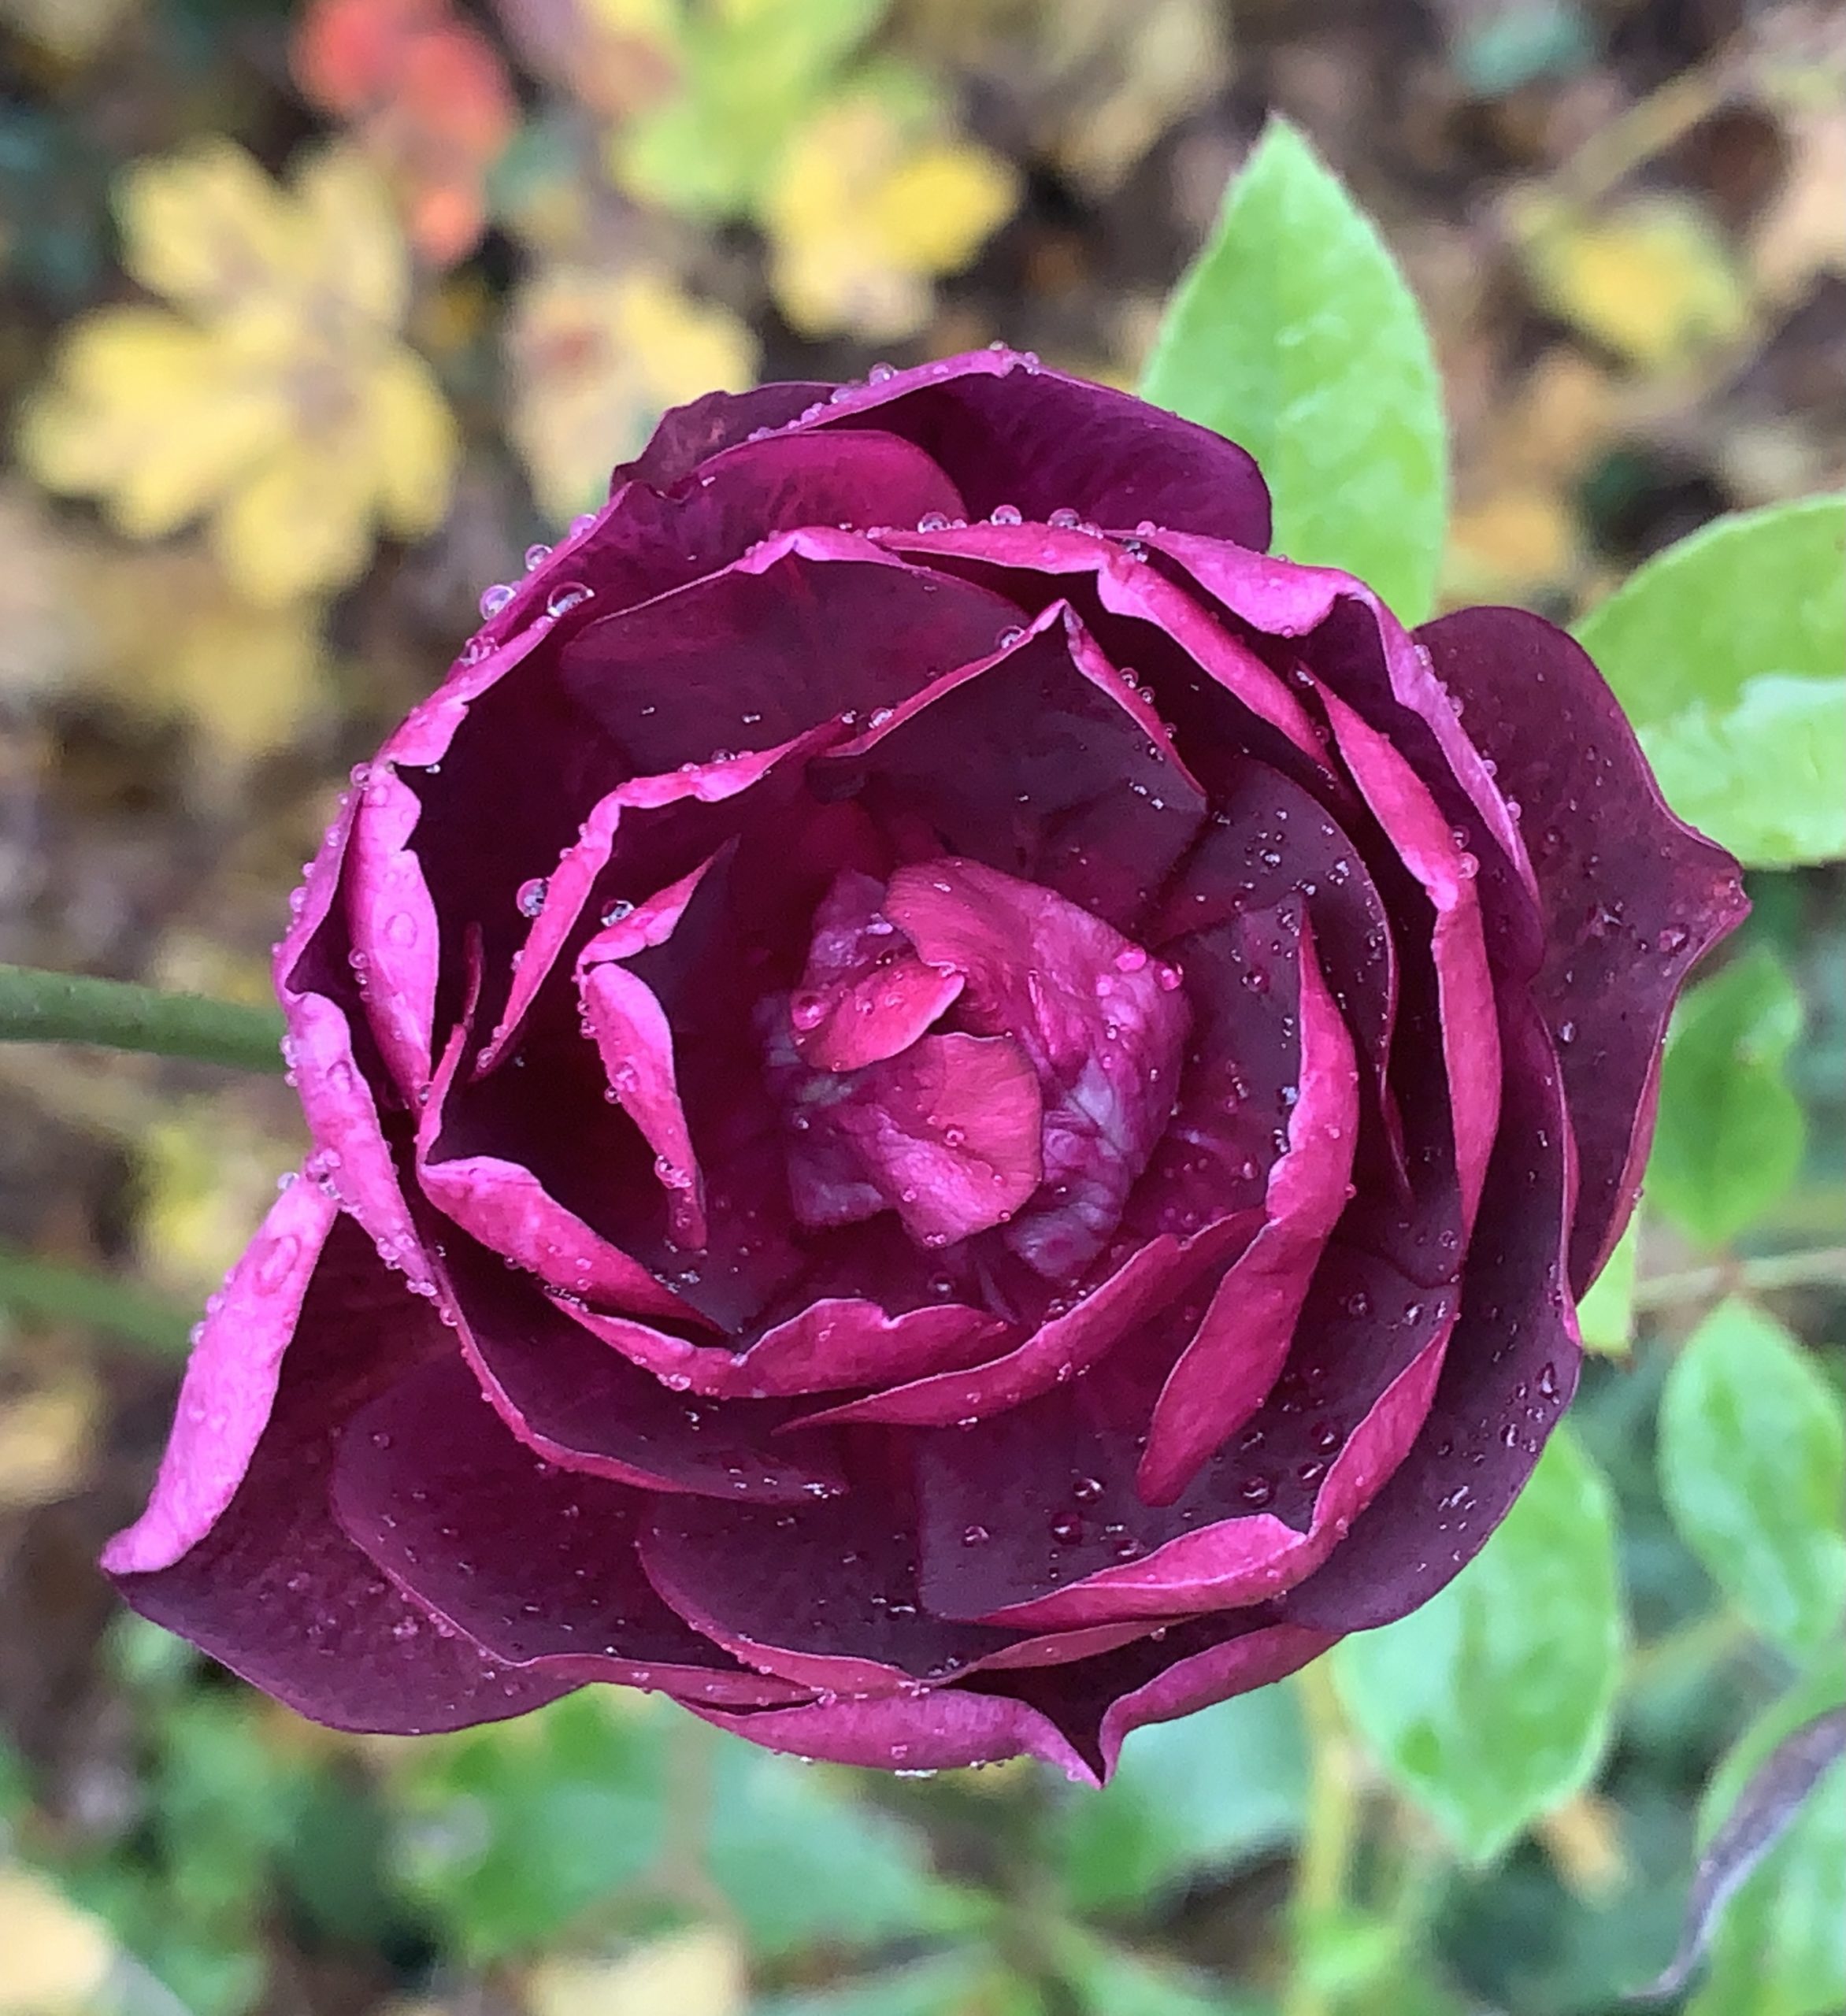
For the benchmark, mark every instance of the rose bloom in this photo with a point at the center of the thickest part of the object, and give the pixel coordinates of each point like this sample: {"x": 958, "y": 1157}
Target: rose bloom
{"x": 953, "y": 1113}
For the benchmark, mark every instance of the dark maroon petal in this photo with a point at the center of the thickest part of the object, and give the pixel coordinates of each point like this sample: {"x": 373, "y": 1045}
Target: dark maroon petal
{"x": 1241, "y": 1076}
{"x": 1511, "y": 1370}
{"x": 534, "y": 1563}
{"x": 864, "y": 994}
{"x": 575, "y": 1402}
{"x": 826, "y": 1597}
{"x": 633, "y": 832}
{"x": 686, "y": 435}
{"x": 1252, "y": 1659}
{"x": 1079, "y": 1546}
{"x": 939, "y": 1731}
{"x": 807, "y": 627}
{"x": 1633, "y": 897}
{"x": 1010, "y": 433}
{"x": 1354, "y": 643}
{"x": 240, "y": 1551}
{"x": 1103, "y": 1024}
{"x": 1128, "y": 587}
{"x": 1039, "y": 759}
{"x": 947, "y": 1135}
{"x": 1404, "y": 807}
{"x": 1154, "y": 1276}
{"x": 834, "y": 1341}
{"x": 1223, "y": 1375}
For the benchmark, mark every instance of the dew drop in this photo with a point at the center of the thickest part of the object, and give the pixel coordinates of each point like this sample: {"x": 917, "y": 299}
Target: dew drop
{"x": 531, "y": 895}
{"x": 494, "y": 599}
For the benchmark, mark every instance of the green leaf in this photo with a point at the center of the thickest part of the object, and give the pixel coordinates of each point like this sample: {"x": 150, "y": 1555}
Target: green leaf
{"x": 1726, "y": 650}
{"x": 1780, "y": 1949}
{"x": 1752, "y": 1465}
{"x": 803, "y": 1858}
{"x": 1111, "y": 1982}
{"x": 1605, "y": 1315}
{"x": 949, "y": 1984}
{"x": 506, "y": 1834}
{"x": 1206, "y": 1792}
{"x": 1491, "y": 1704}
{"x": 1294, "y": 334}
{"x": 1730, "y": 1137}
{"x": 749, "y": 76}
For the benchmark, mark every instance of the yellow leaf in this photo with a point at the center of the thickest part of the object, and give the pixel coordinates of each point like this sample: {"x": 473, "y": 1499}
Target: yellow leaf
{"x": 143, "y": 410}
{"x": 595, "y": 357}
{"x": 57, "y": 1957}
{"x": 206, "y": 1174}
{"x": 698, "y": 1972}
{"x": 46, "y": 1438}
{"x": 41, "y": 617}
{"x": 282, "y": 401}
{"x": 1650, "y": 279}
{"x": 206, "y": 227}
{"x": 72, "y": 30}
{"x": 866, "y": 210}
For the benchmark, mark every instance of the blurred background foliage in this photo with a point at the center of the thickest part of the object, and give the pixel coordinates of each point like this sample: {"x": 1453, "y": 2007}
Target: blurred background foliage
{"x": 316, "y": 318}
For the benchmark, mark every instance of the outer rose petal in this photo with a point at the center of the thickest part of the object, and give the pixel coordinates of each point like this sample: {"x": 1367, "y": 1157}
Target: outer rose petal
{"x": 264, "y": 1580}
{"x": 1632, "y": 897}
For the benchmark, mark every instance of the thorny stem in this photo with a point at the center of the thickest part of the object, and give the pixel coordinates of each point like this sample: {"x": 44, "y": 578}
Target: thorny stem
{"x": 1329, "y": 1837}
{"x": 1810, "y": 1266}
{"x": 38, "y": 1006}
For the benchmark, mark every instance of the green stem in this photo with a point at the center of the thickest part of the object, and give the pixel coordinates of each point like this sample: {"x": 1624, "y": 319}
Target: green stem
{"x": 1329, "y": 1838}
{"x": 36, "y": 1007}
{"x": 1761, "y": 1275}
{"x": 72, "y": 1295}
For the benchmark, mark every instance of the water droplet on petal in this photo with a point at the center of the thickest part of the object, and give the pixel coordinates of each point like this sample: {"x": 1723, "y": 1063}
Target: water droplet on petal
{"x": 531, "y": 895}
{"x": 494, "y": 599}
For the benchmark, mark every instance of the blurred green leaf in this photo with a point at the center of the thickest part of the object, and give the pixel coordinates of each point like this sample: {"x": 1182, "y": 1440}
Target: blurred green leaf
{"x": 748, "y": 77}
{"x": 1780, "y": 1949}
{"x": 1294, "y": 333}
{"x": 1492, "y": 1703}
{"x": 507, "y": 1833}
{"x": 1730, "y": 1135}
{"x": 1206, "y": 1792}
{"x": 1726, "y": 650}
{"x": 949, "y": 1984}
{"x": 1605, "y": 1315}
{"x": 1752, "y": 1466}
{"x": 1110, "y": 1981}
{"x": 803, "y": 1858}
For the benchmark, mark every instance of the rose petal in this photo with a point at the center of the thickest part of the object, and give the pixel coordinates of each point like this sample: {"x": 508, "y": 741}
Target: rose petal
{"x": 577, "y": 1403}
{"x": 1633, "y": 897}
{"x": 534, "y": 1563}
{"x": 864, "y": 994}
{"x": 1223, "y": 1375}
{"x": 272, "y": 1587}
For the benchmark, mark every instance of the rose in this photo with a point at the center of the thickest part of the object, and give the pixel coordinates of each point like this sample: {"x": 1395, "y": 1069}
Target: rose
{"x": 1005, "y": 1098}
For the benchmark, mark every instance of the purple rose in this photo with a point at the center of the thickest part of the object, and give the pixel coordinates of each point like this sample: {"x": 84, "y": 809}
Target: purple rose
{"x": 952, "y": 1113}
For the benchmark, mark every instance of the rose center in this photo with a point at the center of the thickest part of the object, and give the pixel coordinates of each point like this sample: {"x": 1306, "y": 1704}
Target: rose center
{"x": 972, "y": 1051}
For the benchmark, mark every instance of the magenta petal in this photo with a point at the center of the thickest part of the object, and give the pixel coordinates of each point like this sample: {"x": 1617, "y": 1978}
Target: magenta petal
{"x": 532, "y": 1562}
{"x": 1511, "y": 1370}
{"x": 632, "y": 1035}
{"x": 939, "y": 1731}
{"x": 229, "y": 1388}
{"x": 1223, "y": 1374}
{"x": 1252, "y": 1659}
{"x": 392, "y": 920}
{"x": 1632, "y": 897}
{"x": 1008, "y": 432}
{"x": 864, "y": 994}
{"x": 834, "y": 1341}
{"x": 808, "y": 627}
{"x": 688, "y": 435}
{"x": 1103, "y": 1024}
{"x": 271, "y": 1587}
{"x": 1155, "y": 1275}
{"x": 577, "y": 1403}
{"x": 1404, "y": 806}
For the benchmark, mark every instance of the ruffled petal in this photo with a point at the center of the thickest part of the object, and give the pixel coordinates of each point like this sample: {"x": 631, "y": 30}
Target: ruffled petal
{"x": 265, "y": 1580}
{"x": 536, "y": 1564}
{"x": 1632, "y": 897}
